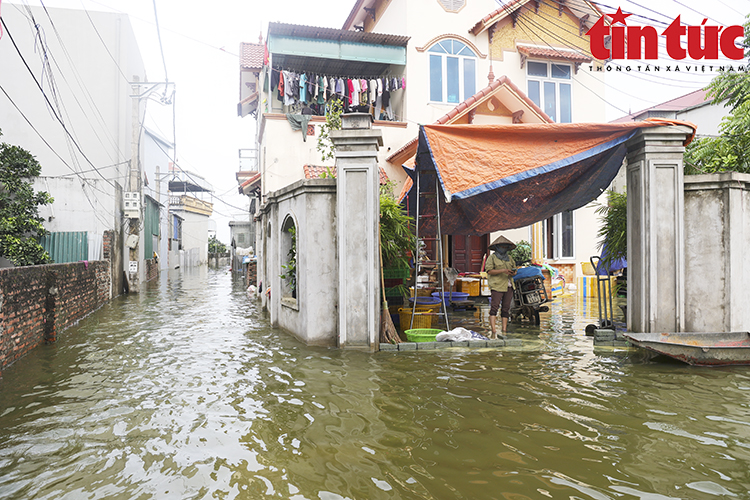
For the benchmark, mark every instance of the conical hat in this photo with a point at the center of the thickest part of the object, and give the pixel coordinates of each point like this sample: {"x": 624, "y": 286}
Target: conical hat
{"x": 502, "y": 240}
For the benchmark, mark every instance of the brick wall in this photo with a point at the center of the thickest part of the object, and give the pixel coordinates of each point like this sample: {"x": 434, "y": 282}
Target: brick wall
{"x": 152, "y": 269}
{"x": 252, "y": 274}
{"x": 568, "y": 271}
{"x": 38, "y": 302}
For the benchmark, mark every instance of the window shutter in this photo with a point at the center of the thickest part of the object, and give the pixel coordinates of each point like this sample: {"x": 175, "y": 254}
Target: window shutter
{"x": 452, "y": 5}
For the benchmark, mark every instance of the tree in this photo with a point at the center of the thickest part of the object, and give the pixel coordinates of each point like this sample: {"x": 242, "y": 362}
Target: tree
{"x": 333, "y": 122}
{"x": 216, "y": 246}
{"x": 20, "y": 224}
{"x": 731, "y": 150}
{"x": 614, "y": 229}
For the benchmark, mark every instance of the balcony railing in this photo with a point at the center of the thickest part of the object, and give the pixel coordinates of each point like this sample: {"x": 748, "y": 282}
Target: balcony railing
{"x": 191, "y": 204}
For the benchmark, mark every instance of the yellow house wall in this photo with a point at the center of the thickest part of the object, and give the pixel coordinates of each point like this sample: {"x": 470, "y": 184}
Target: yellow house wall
{"x": 543, "y": 28}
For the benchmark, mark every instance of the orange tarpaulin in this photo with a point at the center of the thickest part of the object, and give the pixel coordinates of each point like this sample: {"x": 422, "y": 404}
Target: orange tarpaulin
{"x": 494, "y": 177}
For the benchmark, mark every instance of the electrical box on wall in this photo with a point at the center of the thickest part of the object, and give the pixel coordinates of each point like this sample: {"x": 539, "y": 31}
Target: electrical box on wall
{"x": 131, "y": 205}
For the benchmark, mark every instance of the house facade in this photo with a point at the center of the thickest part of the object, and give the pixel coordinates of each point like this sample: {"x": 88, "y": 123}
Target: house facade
{"x": 189, "y": 210}
{"x": 69, "y": 77}
{"x": 430, "y": 61}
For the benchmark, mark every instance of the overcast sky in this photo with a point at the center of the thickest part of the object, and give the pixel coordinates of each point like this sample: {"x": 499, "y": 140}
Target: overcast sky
{"x": 201, "y": 44}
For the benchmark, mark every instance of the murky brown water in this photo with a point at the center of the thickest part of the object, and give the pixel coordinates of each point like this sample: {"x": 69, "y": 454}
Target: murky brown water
{"x": 184, "y": 392}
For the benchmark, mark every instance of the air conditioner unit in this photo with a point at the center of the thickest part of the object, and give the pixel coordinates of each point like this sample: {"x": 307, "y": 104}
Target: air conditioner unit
{"x": 131, "y": 205}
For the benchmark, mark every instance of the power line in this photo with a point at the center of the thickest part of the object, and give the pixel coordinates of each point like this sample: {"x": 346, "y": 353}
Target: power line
{"x": 171, "y": 31}
{"x": 104, "y": 44}
{"x": 637, "y": 76}
{"x": 83, "y": 86}
{"x": 521, "y": 21}
{"x": 2, "y": 21}
{"x": 161, "y": 48}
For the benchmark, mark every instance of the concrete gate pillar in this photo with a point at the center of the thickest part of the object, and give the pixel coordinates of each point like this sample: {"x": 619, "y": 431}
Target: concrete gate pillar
{"x": 656, "y": 255}
{"x": 357, "y": 220}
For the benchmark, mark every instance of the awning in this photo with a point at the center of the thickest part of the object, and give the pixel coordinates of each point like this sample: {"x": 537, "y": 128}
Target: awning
{"x": 248, "y": 105}
{"x": 497, "y": 177}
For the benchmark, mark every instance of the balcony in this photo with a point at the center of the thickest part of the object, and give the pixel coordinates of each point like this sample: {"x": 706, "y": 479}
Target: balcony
{"x": 191, "y": 204}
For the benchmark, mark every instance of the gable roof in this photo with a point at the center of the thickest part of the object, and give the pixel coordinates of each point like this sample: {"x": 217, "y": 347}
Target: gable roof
{"x": 695, "y": 98}
{"x": 502, "y": 86}
{"x": 583, "y": 6}
{"x": 357, "y": 12}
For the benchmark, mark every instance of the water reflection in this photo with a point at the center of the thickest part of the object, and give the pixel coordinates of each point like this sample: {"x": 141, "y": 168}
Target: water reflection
{"x": 185, "y": 392}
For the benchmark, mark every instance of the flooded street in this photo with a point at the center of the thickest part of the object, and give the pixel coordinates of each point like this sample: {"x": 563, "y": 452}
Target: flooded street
{"x": 185, "y": 392}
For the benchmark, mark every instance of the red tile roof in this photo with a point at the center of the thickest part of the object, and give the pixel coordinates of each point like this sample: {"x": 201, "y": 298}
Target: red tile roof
{"x": 473, "y": 102}
{"x": 553, "y": 53}
{"x": 677, "y": 104}
{"x": 496, "y": 15}
{"x": 251, "y": 55}
{"x": 316, "y": 171}
{"x": 250, "y": 183}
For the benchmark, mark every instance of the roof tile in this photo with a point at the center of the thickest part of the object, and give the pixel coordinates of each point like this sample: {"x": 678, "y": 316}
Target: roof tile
{"x": 251, "y": 55}
{"x": 553, "y": 53}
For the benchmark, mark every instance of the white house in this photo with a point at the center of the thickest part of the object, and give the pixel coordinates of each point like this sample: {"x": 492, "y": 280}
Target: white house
{"x": 190, "y": 221}
{"x": 68, "y": 76}
{"x": 693, "y": 107}
{"x": 436, "y": 62}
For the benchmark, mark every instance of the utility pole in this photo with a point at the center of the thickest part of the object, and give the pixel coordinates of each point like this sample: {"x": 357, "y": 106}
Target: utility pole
{"x": 134, "y": 194}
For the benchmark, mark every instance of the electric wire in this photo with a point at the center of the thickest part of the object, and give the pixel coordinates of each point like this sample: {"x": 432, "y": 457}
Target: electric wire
{"x": 639, "y": 75}
{"x": 86, "y": 92}
{"x": 117, "y": 65}
{"x": 161, "y": 47}
{"x": 661, "y": 43}
{"x": 2, "y": 21}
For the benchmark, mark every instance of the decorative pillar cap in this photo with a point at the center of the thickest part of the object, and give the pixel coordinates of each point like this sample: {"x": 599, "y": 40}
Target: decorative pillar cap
{"x": 356, "y": 121}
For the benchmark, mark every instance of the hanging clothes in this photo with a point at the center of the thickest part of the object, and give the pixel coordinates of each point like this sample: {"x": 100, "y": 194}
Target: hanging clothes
{"x": 355, "y": 88}
{"x": 303, "y": 88}
{"x": 289, "y": 88}
{"x": 281, "y": 86}
{"x": 322, "y": 90}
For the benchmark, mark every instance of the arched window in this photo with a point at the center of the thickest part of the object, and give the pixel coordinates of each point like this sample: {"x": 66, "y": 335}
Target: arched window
{"x": 453, "y": 72}
{"x": 288, "y": 247}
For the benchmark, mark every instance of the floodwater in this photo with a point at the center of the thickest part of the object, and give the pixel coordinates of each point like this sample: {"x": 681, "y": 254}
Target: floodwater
{"x": 185, "y": 392}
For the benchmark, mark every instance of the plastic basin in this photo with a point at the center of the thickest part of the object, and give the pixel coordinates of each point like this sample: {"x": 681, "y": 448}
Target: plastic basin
{"x": 425, "y": 300}
{"x": 448, "y": 296}
{"x": 422, "y": 334}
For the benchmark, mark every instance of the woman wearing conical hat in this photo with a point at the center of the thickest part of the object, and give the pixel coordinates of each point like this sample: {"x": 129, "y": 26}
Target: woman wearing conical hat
{"x": 500, "y": 269}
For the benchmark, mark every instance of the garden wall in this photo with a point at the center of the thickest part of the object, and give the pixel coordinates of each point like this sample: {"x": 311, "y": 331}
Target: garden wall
{"x": 310, "y": 313}
{"x": 38, "y": 302}
{"x": 717, "y": 239}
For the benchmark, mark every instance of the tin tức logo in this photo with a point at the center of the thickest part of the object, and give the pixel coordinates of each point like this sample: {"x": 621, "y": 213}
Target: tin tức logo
{"x": 642, "y": 42}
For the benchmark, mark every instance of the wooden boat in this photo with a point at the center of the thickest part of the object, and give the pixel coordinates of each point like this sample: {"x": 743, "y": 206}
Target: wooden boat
{"x": 699, "y": 349}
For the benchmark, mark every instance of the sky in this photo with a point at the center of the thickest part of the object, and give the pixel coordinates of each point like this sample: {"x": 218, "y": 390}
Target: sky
{"x": 200, "y": 53}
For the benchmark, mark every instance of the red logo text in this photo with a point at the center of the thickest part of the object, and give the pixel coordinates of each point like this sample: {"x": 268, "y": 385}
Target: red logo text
{"x": 642, "y": 42}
